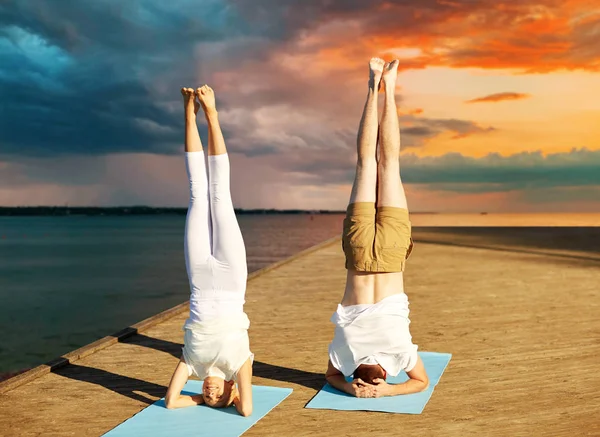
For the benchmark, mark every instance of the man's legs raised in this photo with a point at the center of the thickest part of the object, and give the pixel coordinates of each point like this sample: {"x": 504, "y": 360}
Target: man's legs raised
{"x": 365, "y": 179}
{"x": 390, "y": 189}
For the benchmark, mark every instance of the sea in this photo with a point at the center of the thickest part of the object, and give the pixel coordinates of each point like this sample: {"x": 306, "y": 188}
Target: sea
{"x": 66, "y": 281}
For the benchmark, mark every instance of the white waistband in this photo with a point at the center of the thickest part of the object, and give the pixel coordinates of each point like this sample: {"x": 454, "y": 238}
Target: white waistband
{"x": 231, "y": 322}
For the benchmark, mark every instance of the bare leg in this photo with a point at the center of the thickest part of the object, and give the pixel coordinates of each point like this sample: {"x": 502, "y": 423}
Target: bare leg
{"x": 390, "y": 189}
{"x": 216, "y": 142}
{"x": 364, "y": 189}
{"x": 191, "y": 106}
{"x": 365, "y": 179}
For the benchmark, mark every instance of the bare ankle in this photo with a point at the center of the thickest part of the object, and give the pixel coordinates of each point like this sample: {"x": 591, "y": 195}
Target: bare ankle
{"x": 389, "y": 87}
{"x": 211, "y": 114}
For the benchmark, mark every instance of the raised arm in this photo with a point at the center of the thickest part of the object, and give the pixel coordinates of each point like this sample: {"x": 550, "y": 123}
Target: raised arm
{"x": 174, "y": 398}
{"x": 357, "y": 388}
{"x": 418, "y": 382}
{"x": 243, "y": 402}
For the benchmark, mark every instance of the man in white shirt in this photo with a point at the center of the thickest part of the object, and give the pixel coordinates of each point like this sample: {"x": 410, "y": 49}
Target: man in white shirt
{"x": 372, "y": 339}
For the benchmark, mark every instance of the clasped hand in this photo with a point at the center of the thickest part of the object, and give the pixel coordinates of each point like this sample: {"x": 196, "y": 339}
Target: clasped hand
{"x": 378, "y": 389}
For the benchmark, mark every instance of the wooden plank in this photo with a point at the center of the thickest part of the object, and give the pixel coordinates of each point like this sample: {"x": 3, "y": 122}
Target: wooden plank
{"x": 523, "y": 329}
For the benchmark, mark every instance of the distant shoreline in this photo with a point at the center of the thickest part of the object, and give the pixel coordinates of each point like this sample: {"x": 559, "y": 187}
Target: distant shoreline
{"x": 129, "y": 210}
{"x": 138, "y": 210}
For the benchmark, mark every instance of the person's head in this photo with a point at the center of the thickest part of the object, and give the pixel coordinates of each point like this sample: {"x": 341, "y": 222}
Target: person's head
{"x": 369, "y": 372}
{"x": 217, "y": 392}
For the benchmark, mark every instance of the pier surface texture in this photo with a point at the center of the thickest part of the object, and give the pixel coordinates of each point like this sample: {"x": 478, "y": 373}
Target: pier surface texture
{"x": 521, "y": 320}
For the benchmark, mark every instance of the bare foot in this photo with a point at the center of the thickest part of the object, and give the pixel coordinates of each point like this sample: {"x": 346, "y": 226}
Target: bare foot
{"x": 190, "y": 104}
{"x": 206, "y": 96}
{"x": 375, "y": 72}
{"x": 390, "y": 73}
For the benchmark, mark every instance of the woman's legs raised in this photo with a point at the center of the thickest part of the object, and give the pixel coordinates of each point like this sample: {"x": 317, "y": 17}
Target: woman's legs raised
{"x": 197, "y": 241}
{"x": 197, "y": 247}
{"x": 228, "y": 244}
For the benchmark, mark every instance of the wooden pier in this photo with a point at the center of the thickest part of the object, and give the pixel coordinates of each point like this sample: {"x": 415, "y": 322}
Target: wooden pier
{"x": 521, "y": 320}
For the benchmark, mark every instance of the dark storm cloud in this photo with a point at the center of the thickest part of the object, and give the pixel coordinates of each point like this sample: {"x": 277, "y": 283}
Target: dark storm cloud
{"x": 106, "y": 118}
{"x": 379, "y": 13}
{"x": 99, "y": 77}
{"x": 134, "y": 26}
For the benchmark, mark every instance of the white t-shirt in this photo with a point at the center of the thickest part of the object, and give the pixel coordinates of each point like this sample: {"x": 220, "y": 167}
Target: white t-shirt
{"x": 217, "y": 347}
{"x": 373, "y": 334}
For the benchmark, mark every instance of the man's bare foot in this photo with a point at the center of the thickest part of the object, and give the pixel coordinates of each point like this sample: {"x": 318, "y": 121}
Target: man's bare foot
{"x": 190, "y": 104}
{"x": 390, "y": 73}
{"x": 206, "y": 96}
{"x": 375, "y": 72}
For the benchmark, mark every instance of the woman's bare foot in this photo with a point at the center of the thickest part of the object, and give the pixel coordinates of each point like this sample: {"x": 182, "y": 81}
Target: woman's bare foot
{"x": 190, "y": 104}
{"x": 390, "y": 73}
{"x": 375, "y": 71}
{"x": 206, "y": 96}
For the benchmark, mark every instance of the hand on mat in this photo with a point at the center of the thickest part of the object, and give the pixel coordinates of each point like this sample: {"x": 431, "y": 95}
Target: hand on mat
{"x": 361, "y": 389}
{"x": 382, "y": 388}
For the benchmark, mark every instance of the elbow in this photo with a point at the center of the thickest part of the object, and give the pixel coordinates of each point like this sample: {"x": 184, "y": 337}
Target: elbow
{"x": 334, "y": 382}
{"x": 331, "y": 376}
{"x": 169, "y": 403}
{"x": 424, "y": 384}
{"x": 246, "y": 411}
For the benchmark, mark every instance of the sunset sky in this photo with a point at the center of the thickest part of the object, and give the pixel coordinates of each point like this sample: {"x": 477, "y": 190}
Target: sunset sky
{"x": 499, "y": 101}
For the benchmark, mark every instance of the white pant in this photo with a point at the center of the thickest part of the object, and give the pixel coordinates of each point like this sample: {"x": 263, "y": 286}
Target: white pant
{"x": 215, "y": 255}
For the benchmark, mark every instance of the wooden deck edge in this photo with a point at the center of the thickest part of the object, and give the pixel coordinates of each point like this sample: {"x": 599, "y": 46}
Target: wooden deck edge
{"x": 103, "y": 343}
{"x": 300, "y": 254}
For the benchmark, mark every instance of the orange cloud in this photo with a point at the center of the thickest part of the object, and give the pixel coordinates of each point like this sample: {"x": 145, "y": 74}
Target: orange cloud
{"x": 540, "y": 36}
{"x": 415, "y": 111}
{"x": 499, "y": 97}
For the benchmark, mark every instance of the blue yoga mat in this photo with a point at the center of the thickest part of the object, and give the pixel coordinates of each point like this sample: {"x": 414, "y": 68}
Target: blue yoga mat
{"x": 331, "y": 399}
{"x": 157, "y": 421}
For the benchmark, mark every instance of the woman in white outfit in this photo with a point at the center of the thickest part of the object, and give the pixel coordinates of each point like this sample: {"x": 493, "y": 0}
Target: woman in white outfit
{"x": 216, "y": 346}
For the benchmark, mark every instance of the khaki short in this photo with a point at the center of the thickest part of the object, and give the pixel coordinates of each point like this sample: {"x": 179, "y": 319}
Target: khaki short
{"x": 376, "y": 240}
